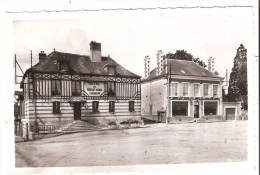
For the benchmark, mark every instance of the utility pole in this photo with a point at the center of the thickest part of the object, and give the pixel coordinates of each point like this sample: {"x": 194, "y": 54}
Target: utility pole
{"x": 31, "y": 58}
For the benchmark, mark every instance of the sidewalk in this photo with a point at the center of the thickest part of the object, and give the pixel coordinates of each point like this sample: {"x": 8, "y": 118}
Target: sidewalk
{"x": 19, "y": 139}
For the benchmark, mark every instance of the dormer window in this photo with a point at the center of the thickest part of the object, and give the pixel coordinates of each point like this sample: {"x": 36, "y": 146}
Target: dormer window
{"x": 64, "y": 67}
{"x": 110, "y": 70}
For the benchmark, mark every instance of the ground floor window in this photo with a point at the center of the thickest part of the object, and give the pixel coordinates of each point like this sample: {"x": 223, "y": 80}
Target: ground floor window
{"x": 210, "y": 108}
{"x": 179, "y": 108}
{"x": 131, "y": 106}
{"x": 95, "y": 105}
{"x": 112, "y": 106}
{"x": 56, "y": 107}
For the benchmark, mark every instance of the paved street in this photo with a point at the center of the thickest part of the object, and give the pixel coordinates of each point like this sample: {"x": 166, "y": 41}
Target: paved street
{"x": 156, "y": 144}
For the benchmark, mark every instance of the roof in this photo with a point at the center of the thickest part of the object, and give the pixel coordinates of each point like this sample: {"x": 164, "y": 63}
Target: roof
{"x": 183, "y": 68}
{"x": 79, "y": 64}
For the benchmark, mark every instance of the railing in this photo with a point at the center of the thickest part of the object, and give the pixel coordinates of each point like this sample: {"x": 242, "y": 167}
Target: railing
{"x": 43, "y": 128}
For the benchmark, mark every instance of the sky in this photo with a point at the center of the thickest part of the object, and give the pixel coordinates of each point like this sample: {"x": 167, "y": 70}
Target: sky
{"x": 129, "y": 38}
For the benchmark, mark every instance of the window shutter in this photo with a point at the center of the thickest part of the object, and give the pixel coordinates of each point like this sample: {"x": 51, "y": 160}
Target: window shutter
{"x": 211, "y": 90}
{"x": 201, "y": 90}
{"x": 191, "y": 89}
{"x": 180, "y": 93}
{"x": 219, "y": 91}
{"x": 172, "y": 89}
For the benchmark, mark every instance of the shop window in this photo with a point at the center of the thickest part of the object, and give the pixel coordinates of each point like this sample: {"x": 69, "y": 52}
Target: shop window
{"x": 112, "y": 106}
{"x": 55, "y": 87}
{"x": 180, "y": 108}
{"x": 111, "y": 89}
{"x": 75, "y": 88}
{"x": 56, "y": 107}
{"x": 95, "y": 105}
{"x": 210, "y": 108}
{"x": 131, "y": 106}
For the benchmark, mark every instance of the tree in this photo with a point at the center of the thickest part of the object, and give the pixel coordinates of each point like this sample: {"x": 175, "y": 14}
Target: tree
{"x": 184, "y": 55}
{"x": 237, "y": 90}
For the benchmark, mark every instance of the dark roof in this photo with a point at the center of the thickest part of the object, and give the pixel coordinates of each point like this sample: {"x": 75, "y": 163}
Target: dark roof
{"x": 79, "y": 64}
{"x": 184, "y": 68}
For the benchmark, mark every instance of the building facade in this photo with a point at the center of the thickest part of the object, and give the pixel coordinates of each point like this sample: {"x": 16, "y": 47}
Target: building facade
{"x": 183, "y": 88}
{"x": 64, "y": 87}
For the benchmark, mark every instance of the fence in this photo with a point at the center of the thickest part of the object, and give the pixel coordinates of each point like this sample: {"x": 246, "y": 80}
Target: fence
{"x": 43, "y": 128}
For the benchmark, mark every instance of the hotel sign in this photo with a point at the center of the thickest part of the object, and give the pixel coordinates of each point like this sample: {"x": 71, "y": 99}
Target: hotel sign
{"x": 94, "y": 88}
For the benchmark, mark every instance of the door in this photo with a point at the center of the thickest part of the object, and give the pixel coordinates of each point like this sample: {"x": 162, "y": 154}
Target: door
{"x": 196, "y": 111}
{"x": 77, "y": 111}
{"x": 230, "y": 113}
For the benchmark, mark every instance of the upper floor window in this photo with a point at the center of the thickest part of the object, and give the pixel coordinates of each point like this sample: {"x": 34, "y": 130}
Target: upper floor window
{"x": 206, "y": 90}
{"x": 111, "y": 70}
{"x": 75, "y": 88}
{"x": 174, "y": 88}
{"x": 185, "y": 89}
{"x": 64, "y": 67}
{"x": 55, "y": 87}
{"x": 215, "y": 90}
{"x": 111, "y": 86}
{"x": 56, "y": 107}
{"x": 196, "y": 90}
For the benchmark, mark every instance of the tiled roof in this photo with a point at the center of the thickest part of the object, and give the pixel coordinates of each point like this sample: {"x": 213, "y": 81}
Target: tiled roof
{"x": 79, "y": 64}
{"x": 183, "y": 68}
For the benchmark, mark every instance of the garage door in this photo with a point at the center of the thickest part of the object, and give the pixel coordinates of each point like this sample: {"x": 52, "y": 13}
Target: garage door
{"x": 230, "y": 113}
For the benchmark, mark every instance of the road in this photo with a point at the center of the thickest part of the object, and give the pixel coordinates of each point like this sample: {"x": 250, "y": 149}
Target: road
{"x": 156, "y": 144}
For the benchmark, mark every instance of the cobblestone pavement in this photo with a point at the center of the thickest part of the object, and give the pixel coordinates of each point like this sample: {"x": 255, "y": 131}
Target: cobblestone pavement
{"x": 156, "y": 144}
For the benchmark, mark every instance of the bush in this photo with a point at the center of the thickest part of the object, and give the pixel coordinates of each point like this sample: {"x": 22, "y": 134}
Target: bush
{"x": 134, "y": 122}
{"x": 111, "y": 123}
{"x": 124, "y": 123}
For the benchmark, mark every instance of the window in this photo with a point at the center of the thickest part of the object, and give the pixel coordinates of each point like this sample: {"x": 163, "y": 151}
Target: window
{"x": 111, "y": 89}
{"x": 56, "y": 107}
{"x": 75, "y": 88}
{"x": 196, "y": 90}
{"x": 180, "y": 108}
{"x": 185, "y": 89}
{"x": 131, "y": 106}
{"x": 174, "y": 89}
{"x": 55, "y": 87}
{"x": 215, "y": 90}
{"x": 64, "y": 66}
{"x": 206, "y": 90}
{"x": 111, "y": 70}
{"x": 95, "y": 105}
{"x": 210, "y": 108}
{"x": 112, "y": 106}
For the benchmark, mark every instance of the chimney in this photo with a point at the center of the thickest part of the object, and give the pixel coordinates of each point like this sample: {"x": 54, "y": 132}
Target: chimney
{"x": 95, "y": 51}
{"x": 42, "y": 55}
{"x": 159, "y": 67}
{"x": 211, "y": 62}
{"x": 146, "y": 66}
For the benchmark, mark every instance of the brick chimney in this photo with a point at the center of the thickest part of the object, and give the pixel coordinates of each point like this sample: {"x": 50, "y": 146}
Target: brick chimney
{"x": 146, "y": 66}
{"x": 95, "y": 51}
{"x": 42, "y": 55}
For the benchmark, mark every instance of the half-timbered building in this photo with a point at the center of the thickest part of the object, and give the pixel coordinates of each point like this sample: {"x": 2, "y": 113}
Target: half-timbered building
{"x": 63, "y": 87}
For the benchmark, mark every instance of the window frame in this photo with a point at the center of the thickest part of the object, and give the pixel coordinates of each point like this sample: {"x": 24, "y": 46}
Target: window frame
{"x": 56, "y": 107}
{"x": 194, "y": 89}
{"x": 131, "y": 105}
{"x": 217, "y": 90}
{"x": 184, "y": 90}
{"x": 111, "y": 106}
{"x": 208, "y": 94}
{"x": 64, "y": 64}
{"x": 109, "y": 85}
{"x": 173, "y": 94}
{"x": 95, "y": 108}
{"x": 54, "y": 83}
{"x": 77, "y": 87}
{"x": 111, "y": 68}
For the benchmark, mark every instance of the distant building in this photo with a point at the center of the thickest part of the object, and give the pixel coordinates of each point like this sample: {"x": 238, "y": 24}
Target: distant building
{"x": 63, "y": 87}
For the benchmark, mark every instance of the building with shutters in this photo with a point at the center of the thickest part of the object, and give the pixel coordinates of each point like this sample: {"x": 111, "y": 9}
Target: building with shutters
{"x": 63, "y": 87}
{"x": 180, "y": 88}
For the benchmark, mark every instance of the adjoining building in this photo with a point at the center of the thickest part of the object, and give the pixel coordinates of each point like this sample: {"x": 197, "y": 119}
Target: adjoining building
{"x": 180, "y": 88}
{"x": 63, "y": 87}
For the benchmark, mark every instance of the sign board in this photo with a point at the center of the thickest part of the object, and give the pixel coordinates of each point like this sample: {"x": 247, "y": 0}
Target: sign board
{"x": 94, "y": 88}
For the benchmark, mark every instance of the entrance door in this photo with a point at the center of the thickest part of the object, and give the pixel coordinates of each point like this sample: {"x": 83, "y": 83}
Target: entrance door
{"x": 77, "y": 111}
{"x": 230, "y": 113}
{"x": 196, "y": 111}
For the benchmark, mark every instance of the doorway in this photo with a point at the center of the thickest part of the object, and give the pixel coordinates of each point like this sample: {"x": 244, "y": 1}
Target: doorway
{"x": 77, "y": 111}
{"x": 196, "y": 111}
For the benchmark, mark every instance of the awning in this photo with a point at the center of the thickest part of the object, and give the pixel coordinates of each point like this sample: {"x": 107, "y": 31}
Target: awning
{"x": 77, "y": 99}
